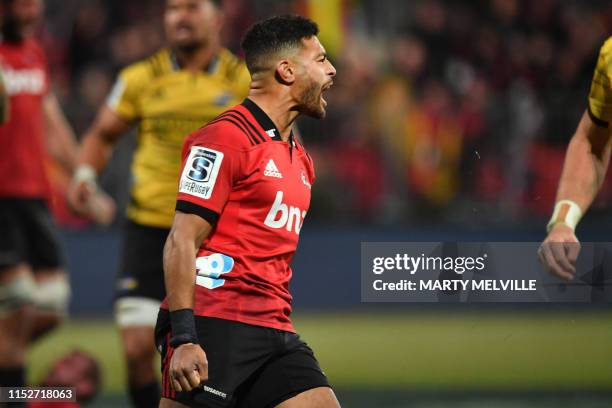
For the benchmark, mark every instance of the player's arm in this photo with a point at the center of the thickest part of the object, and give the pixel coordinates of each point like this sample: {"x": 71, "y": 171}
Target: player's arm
{"x": 93, "y": 155}
{"x": 188, "y": 366}
{"x": 99, "y": 140}
{"x": 209, "y": 173}
{"x": 586, "y": 163}
{"x": 584, "y": 170}
{"x": 112, "y": 121}
{"x": 60, "y": 138}
{"x": 186, "y": 235}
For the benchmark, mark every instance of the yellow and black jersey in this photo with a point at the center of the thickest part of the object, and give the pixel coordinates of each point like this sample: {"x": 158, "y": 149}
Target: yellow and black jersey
{"x": 600, "y": 97}
{"x": 168, "y": 103}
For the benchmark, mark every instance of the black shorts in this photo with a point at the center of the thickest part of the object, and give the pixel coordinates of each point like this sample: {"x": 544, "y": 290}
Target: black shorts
{"x": 248, "y": 366}
{"x": 141, "y": 269}
{"x": 28, "y": 234}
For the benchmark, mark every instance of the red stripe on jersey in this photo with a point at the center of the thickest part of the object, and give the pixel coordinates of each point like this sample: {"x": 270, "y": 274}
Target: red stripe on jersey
{"x": 166, "y": 380}
{"x": 239, "y": 126}
{"x": 247, "y": 127}
{"x": 246, "y": 120}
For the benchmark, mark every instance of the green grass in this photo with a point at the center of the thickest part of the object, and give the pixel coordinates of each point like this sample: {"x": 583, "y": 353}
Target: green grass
{"x": 417, "y": 351}
{"x": 98, "y": 337}
{"x": 468, "y": 351}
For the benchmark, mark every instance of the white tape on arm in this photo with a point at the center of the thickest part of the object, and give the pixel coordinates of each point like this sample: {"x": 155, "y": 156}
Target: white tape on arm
{"x": 85, "y": 174}
{"x": 567, "y": 213}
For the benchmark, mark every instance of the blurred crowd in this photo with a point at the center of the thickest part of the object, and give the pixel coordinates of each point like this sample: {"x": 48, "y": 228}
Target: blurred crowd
{"x": 442, "y": 111}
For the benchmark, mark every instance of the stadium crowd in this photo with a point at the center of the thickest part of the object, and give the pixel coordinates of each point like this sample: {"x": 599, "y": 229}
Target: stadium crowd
{"x": 442, "y": 111}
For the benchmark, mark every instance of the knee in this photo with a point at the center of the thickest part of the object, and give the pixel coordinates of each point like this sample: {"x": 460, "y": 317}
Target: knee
{"x": 44, "y": 322}
{"x": 16, "y": 312}
{"x": 136, "y": 312}
{"x": 52, "y": 297}
{"x": 136, "y": 317}
{"x": 138, "y": 345}
{"x": 14, "y": 329}
{"x": 15, "y": 295}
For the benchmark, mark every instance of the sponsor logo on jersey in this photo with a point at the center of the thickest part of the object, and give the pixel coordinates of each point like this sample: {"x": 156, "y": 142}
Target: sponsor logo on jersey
{"x": 24, "y": 81}
{"x": 210, "y": 268}
{"x": 284, "y": 216}
{"x": 271, "y": 170}
{"x": 200, "y": 172}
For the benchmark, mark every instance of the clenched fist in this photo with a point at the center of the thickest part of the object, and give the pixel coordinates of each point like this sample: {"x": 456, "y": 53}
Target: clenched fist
{"x": 188, "y": 367}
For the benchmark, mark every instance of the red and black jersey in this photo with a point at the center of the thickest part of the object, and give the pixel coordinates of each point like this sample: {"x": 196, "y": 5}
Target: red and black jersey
{"x": 22, "y": 142}
{"x": 255, "y": 189}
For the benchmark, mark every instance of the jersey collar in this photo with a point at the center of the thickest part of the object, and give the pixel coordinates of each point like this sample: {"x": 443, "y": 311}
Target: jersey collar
{"x": 265, "y": 122}
{"x": 210, "y": 69}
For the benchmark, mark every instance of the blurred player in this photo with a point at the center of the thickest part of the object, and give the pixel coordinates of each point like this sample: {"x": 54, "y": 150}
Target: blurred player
{"x": 584, "y": 171}
{"x": 243, "y": 195}
{"x": 167, "y": 96}
{"x": 34, "y": 289}
{"x": 77, "y": 369}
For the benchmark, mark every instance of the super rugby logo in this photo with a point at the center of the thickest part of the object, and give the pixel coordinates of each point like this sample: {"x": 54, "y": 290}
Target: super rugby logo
{"x": 284, "y": 216}
{"x": 201, "y": 166}
{"x": 200, "y": 172}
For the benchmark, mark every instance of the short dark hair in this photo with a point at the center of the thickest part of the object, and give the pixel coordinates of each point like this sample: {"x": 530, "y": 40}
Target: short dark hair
{"x": 275, "y": 34}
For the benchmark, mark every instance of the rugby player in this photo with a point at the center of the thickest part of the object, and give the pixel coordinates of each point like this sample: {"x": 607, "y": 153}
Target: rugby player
{"x": 584, "y": 170}
{"x": 168, "y": 95}
{"x": 224, "y": 330}
{"x": 34, "y": 288}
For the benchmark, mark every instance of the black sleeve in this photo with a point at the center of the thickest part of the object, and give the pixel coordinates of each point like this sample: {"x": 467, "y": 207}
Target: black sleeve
{"x": 203, "y": 212}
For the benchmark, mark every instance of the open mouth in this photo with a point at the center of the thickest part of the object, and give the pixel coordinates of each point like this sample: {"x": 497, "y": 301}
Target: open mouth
{"x": 323, "y": 90}
{"x": 184, "y": 29}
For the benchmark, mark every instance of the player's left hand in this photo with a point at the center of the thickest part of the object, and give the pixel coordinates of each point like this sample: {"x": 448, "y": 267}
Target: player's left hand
{"x": 559, "y": 252}
{"x": 188, "y": 367}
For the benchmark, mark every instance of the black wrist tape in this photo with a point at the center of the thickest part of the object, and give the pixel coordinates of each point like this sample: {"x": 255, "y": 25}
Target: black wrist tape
{"x": 183, "y": 327}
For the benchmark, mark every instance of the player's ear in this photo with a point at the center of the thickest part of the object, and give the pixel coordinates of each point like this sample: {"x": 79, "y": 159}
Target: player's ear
{"x": 217, "y": 16}
{"x": 219, "y": 20}
{"x": 285, "y": 72}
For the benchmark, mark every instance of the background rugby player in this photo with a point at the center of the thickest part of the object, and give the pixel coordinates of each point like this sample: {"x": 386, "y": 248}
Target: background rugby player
{"x": 584, "y": 170}
{"x": 169, "y": 95}
{"x": 34, "y": 289}
{"x": 243, "y": 194}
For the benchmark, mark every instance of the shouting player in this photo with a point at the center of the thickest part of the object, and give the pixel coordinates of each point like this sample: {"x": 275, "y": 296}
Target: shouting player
{"x": 34, "y": 289}
{"x": 225, "y": 330}
{"x": 169, "y": 95}
{"x": 586, "y": 164}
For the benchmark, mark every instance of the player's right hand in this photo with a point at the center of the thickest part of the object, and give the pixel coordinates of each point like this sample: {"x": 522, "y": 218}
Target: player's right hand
{"x": 85, "y": 199}
{"x": 559, "y": 252}
{"x": 79, "y": 195}
{"x": 188, "y": 367}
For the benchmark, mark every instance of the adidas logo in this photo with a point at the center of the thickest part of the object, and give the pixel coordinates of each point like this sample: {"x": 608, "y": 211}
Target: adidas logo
{"x": 271, "y": 170}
